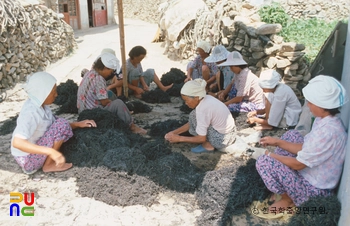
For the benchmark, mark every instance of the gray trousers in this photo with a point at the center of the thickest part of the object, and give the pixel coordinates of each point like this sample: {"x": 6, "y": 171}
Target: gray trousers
{"x": 118, "y": 107}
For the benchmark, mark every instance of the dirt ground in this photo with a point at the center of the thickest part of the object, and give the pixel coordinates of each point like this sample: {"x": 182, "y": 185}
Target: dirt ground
{"x": 57, "y": 197}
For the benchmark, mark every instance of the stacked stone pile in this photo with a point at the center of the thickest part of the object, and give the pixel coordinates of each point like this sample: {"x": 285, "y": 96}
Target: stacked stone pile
{"x": 32, "y": 37}
{"x": 238, "y": 27}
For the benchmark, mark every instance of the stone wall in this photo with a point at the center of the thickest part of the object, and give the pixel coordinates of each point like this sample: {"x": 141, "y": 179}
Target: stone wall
{"x": 237, "y": 26}
{"x": 30, "y": 43}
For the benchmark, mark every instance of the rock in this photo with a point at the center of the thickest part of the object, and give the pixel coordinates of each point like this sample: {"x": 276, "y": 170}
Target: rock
{"x": 283, "y": 63}
{"x": 292, "y": 47}
{"x": 273, "y": 49}
{"x": 271, "y": 62}
{"x": 276, "y": 39}
{"x": 256, "y": 45}
{"x": 267, "y": 29}
{"x": 258, "y": 55}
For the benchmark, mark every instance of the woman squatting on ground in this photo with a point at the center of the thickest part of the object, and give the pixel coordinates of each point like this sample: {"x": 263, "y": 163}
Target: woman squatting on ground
{"x": 210, "y": 121}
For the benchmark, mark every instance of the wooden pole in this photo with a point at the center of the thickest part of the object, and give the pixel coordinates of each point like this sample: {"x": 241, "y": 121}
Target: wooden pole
{"x": 122, "y": 46}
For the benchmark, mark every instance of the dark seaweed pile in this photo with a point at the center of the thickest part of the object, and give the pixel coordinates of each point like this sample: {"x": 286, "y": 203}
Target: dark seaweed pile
{"x": 317, "y": 211}
{"x": 229, "y": 191}
{"x": 8, "y": 126}
{"x": 175, "y": 76}
{"x": 67, "y": 97}
{"x": 120, "y": 168}
{"x": 159, "y": 129}
{"x": 138, "y": 107}
{"x": 156, "y": 96}
{"x": 138, "y": 168}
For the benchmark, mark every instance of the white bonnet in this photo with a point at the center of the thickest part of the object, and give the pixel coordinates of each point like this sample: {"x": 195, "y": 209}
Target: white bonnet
{"x": 108, "y": 50}
{"x": 39, "y": 86}
{"x": 233, "y": 59}
{"x": 204, "y": 45}
{"x": 269, "y": 79}
{"x": 325, "y": 92}
{"x": 219, "y": 53}
{"x": 194, "y": 88}
{"x": 110, "y": 61}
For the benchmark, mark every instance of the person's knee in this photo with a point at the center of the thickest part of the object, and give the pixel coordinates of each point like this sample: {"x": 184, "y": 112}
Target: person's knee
{"x": 205, "y": 69}
{"x": 293, "y": 136}
{"x": 63, "y": 123}
{"x": 261, "y": 162}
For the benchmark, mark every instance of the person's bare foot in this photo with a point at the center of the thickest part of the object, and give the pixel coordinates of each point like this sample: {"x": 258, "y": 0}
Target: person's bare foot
{"x": 281, "y": 205}
{"x": 138, "y": 130}
{"x": 165, "y": 88}
{"x": 54, "y": 168}
{"x": 208, "y": 146}
{"x": 263, "y": 127}
{"x": 138, "y": 96}
{"x": 273, "y": 198}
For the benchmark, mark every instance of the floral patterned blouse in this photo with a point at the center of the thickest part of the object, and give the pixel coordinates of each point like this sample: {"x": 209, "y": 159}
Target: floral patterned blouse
{"x": 323, "y": 152}
{"x": 91, "y": 90}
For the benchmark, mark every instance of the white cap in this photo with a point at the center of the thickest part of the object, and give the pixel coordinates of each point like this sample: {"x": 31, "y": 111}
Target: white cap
{"x": 234, "y": 59}
{"x": 219, "y": 53}
{"x": 325, "y": 92}
{"x": 110, "y": 61}
{"x": 39, "y": 86}
{"x": 269, "y": 79}
{"x": 194, "y": 88}
{"x": 108, "y": 50}
{"x": 204, "y": 45}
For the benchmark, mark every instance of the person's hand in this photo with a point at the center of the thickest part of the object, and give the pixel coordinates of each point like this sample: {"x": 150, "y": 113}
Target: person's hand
{"x": 187, "y": 79}
{"x": 251, "y": 114}
{"x": 251, "y": 120}
{"x": 172, "y": 137}
{"x": 57, "y": 157}
{"x": 221, "y": 96}
{"x": 269, "y": 141}
{"x": 87, "y": 123}
{"x": 146, "y": 88}
{"x": 139, "y": 91}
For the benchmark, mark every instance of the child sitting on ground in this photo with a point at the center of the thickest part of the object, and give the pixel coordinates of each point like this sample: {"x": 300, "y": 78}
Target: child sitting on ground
{"x": 39, "y": 134}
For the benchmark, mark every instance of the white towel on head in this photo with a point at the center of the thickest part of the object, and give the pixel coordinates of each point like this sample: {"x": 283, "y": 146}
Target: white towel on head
{"x": 204, "y": 45}
{"x": 39, "y": 86}
{"x": 269, "y": 79}
{"x": 325, "y": 92}
{"x": 194, "y": 88}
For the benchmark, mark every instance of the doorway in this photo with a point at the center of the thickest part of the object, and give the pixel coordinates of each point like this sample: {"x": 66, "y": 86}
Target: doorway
{"x": 90, "y": 12}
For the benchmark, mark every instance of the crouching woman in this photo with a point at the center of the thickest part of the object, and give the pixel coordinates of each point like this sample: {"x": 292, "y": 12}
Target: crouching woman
{"x": 210, "y": 121}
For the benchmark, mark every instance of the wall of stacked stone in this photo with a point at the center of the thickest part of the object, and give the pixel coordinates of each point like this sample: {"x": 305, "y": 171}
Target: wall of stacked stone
{"x": 37, "y": 39}
{"x": 237, "y": 26}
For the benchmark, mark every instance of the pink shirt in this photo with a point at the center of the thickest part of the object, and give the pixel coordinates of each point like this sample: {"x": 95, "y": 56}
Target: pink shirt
{"x": 91, "y": 90}
{"x": 247, "y": 85}
{"x": 323, "y": 152}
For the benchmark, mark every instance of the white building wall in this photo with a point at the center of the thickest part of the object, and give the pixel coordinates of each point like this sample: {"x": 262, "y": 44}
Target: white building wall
{"x": 110, "y": 12}
{"x": 84, "y": 15}
{"x": 344, "y": 189}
